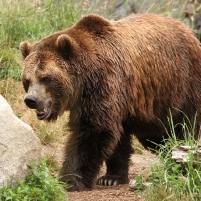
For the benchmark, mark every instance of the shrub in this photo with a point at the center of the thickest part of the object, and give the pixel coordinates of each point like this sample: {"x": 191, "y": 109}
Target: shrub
{"x": 38, "y": 186}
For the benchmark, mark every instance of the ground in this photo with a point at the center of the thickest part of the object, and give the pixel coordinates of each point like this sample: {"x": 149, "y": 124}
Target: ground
{"x": 140, "y": 165}
{"x": 119, "y": 193}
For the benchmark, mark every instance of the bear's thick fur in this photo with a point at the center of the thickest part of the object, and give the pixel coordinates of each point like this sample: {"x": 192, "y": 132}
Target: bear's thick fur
{"x": 116, "y": 78}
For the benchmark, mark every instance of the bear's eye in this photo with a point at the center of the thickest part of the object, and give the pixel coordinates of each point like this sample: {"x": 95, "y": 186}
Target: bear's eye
{"x": 45, "y": 80}
{"x": 26, "y": 84}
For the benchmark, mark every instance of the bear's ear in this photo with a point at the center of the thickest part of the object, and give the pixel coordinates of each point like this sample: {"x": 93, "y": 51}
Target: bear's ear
{"x": 64, "y": 42}
{"x": 25, "y": 49}
{"x": 95, "y": 24}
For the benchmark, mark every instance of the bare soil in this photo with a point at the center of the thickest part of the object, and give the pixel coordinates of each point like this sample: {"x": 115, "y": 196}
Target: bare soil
{"x": 120, "y": 192}
{"x": 140, "y": 165}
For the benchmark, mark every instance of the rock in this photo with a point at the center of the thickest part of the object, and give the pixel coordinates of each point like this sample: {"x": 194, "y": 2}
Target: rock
{"x": 113, "y": 9}
{"x": 174, "y": 8}
{"x": 118, "y": 9}
{"x": 185, "y": 154}
{"x": 193, "y": 15}
{"x": 139, "y": 185}
{"x": 19, "y": 147}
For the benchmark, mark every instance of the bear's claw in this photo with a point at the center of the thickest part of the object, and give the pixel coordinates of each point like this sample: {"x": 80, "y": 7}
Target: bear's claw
{"x": 110, "y": 180}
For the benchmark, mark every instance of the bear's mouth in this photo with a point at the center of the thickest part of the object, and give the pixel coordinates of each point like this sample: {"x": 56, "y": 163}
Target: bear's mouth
{"x": 44, "y": 113}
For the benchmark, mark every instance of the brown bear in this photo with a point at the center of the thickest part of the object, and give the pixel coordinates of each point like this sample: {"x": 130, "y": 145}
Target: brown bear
{"x": 116, "y": 78}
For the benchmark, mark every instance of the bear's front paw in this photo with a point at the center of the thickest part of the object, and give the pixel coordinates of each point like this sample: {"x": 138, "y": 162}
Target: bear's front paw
{"x": 73, "y": 183}
{"x": 74, "y": 186}
{"x": 111, "y": 180}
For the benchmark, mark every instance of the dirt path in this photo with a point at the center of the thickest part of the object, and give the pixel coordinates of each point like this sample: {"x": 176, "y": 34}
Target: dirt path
{"x": 118, "y": 193}
{"x": 140, "y": 165}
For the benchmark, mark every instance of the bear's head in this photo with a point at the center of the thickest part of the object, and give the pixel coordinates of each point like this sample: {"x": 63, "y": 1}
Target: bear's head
{"x": 54, "y": 68}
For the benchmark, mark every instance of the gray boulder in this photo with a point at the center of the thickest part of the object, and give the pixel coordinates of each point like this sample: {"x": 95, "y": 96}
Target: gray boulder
{"x": 112, "y": 9}
{"x": 19, "y": 147}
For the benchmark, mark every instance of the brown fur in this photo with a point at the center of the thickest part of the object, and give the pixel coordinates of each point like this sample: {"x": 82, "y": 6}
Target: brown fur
{"x": 116, "y": 78}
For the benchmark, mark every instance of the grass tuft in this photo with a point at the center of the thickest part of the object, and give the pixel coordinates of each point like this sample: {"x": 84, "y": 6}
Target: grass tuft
{"x": 173, "y": 180}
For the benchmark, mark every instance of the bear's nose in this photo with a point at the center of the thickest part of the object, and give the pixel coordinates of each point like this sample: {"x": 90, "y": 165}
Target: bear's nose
{"x": 31, "y": 101}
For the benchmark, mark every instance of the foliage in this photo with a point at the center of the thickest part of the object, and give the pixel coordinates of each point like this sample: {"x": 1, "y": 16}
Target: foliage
{"x": 25, "y": 20}
{"x": 172, "y": 180}
{"x": 38, "y": 186}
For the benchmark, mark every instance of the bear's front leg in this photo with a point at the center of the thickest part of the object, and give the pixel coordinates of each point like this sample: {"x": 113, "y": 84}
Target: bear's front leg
{"x": 117, "y": 164}
{"x": 84, "y": 154}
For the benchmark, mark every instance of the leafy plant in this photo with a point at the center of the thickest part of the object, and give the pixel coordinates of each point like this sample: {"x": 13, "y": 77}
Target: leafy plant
{"x": 38, "y": 186}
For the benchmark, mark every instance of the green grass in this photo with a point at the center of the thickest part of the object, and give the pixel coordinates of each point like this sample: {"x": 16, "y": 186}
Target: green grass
{"x": 172, "y": 180}
{"x": 23, "y": 20}
{"x": 38, "y": 186}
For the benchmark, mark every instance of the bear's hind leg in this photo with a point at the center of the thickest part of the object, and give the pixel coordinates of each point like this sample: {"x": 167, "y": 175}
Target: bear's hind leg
{"x": 117, "y": 164}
